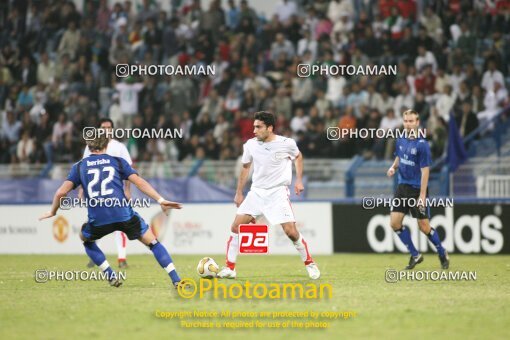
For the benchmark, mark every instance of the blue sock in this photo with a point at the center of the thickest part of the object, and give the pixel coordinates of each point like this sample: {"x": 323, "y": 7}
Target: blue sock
{"x": 405, "y": 237}
{"x": 164, "y": 260}
{"x": 97, "y": 256}
{"x": 434, "y": 238}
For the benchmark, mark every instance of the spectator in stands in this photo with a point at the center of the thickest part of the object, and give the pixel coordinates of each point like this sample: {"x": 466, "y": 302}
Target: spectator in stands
{"x": 394, "y": 23}
{"x": 45, "y": 69}
{"x": 282, "y": 103}
{"x": 466, "y": 120}
{"x": 357, "y": 98}
{"x": 389, "y": 122}
{"x": 307, "y": 44}
{"x": 65, "y": 69}
{"x": 346, "y": 144}
{"x": 422, "y": 107}
{"x": 10, "y": 134}
{"x": 466, "y": 41}
{"x": 436, "y": 132}
{"x": 425, "y": 58}
{"x": 491, "y": 76}
{"x": 285, "y": 9}
{"x": 282, "y": 46}
{"x": 432, "y": 23}
{"x": 232, "y": 15}
{"x": 403, "y": 101}
{"x": 76, "y": 49}
{"x": 27, "y": 73}
{"x": 69, "y": 42}
{"x": 25, "y": 148}
{"x": 335, "y": 87}
{"x": 302, "y": 91}
{"x": 374, "y": 100}
{"x": 128, "y": 92}
{"x": 61, "y": 137}
{"x": 445, "y": 103}
{"x": 299, "y": 122}
{"x": 456, "y": 78}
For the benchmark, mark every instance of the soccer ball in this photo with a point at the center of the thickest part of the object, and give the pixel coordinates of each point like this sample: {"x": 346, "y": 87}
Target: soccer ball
{"x": 207, "y": 268}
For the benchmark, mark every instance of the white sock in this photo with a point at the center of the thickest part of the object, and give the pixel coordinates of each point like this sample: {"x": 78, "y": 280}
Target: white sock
{"x": 121, "y": 241}
{"x": 302, "y": 248}
{"x": 232, "y": 250}
{"x": 170, "y": 268}
{"x": 105, "y": 265}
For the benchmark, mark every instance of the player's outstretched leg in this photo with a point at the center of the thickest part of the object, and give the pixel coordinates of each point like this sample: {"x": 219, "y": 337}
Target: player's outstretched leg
{"x": 404, "y": 234}
{"x": 229, "y": 271}
{"x": 302, "y": 248}
{"x": 433, "y": 237}
{"x": 161, "y": 255}
{"x": 91, "y": 263}
{"x": 121, "y": 241}
{"x": 97, "y": 256}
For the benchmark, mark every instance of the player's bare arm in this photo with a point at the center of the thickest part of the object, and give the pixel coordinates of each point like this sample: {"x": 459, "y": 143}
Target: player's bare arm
{"x": 127, "y": 189}
{"x": 147, "y": 189}
{"x": 298, "y": 162}
{"x": 241, "y": 182}
{"x": 424, "y": 184}
{"x": 61, "y": 192}
{"x": 393, "y": 168}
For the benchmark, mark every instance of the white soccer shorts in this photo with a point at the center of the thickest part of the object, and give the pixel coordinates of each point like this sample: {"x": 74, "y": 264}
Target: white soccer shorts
{"x": 273, "y": 203}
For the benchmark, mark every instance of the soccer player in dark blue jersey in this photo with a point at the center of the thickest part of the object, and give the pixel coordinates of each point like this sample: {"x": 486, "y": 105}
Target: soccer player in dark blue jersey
{"x": 413, "y": 162}
{"x": 101, "y": 177}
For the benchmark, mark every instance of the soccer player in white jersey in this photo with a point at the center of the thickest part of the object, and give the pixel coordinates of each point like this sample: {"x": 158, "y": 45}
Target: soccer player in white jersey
{"x": 272, "y": 157}
{"x": 115, "y": 149}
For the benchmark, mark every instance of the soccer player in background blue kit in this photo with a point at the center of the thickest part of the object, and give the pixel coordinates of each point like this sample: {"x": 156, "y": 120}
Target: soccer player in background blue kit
{"x": 102, "y": 177}
{"x": 413, "y": 162}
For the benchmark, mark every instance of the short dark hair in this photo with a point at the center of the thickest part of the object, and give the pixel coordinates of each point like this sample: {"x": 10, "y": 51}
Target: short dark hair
{"x": 266, "y": 117}
{"x": 105, "y": 120}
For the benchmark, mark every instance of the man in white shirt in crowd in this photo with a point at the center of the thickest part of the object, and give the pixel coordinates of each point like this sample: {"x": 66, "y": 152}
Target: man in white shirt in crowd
{"x": 492, "y": 76}
{"x": 285, "y": 10}
{"x": 128, "y": 92}
{"x": 425, "y": 58}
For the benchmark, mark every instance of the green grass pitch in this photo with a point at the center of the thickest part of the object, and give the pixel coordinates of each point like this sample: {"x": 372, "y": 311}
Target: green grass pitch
{"x": 77, "y": 310}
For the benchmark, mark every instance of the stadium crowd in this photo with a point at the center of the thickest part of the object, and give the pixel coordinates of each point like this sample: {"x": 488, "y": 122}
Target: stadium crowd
{"x": 58, "y": 62}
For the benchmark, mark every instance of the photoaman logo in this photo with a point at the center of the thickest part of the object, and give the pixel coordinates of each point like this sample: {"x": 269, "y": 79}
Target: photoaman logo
{"x": 189, "y": 288}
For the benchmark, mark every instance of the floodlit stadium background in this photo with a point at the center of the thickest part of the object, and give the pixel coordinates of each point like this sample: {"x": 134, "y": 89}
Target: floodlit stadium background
{"x": 57, "y": 76}
{"x": 58, "y": 62}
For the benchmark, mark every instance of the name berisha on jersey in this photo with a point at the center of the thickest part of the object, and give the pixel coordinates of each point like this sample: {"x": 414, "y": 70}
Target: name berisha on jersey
{"x": 98, "y": 162}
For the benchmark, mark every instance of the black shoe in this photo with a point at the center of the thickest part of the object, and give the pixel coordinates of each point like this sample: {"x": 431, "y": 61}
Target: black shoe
{"x": 115, "y": 282}
{"x": 445, "y": 260}
{"x": 91, "y": 264}
{"x": 413, "y": 261}
{"x": 123, "y": 264}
